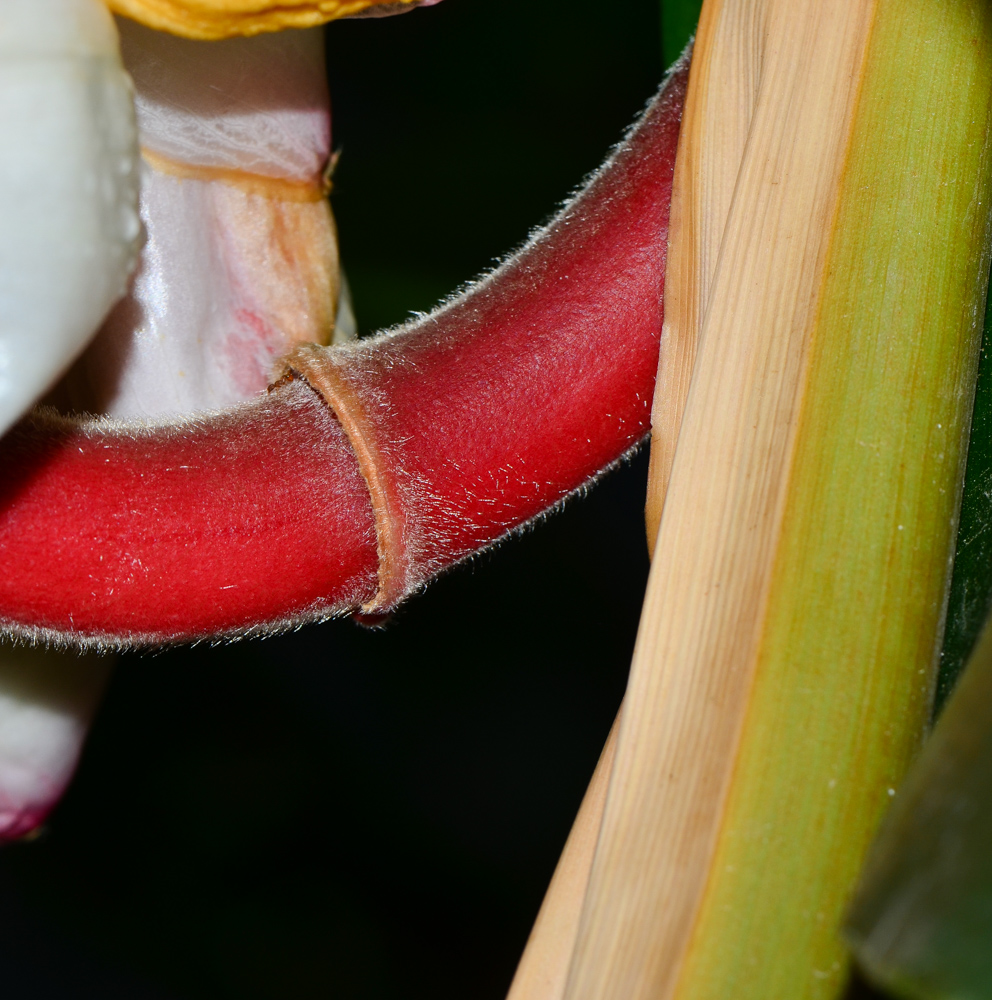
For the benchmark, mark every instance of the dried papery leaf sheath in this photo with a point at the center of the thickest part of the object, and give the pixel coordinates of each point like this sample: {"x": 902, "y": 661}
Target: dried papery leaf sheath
{"x": 785, "y": 660}
{"x": 719, "y": 105}
{"x": 543, "y": 970}
{"x": 491, "y": 410}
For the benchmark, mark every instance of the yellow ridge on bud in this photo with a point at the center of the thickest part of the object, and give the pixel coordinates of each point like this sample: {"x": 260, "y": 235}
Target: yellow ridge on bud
{"x": 277, "y": 188}
{"x": 209, "y": 20}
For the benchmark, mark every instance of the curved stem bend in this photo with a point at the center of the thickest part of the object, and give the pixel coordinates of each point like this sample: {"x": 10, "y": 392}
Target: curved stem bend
{"x": 467, "y": 423}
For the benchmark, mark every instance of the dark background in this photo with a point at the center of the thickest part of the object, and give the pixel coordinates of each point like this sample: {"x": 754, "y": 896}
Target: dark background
{"x": 341, "y": 813}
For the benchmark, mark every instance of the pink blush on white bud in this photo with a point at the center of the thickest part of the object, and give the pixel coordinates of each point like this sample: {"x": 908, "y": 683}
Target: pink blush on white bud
{"x": 47, "y": 699}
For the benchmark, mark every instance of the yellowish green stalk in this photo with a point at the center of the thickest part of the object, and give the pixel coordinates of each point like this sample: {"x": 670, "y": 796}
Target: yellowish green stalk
{"x": 845, "y": 674}
{"x": 785, "y": 664}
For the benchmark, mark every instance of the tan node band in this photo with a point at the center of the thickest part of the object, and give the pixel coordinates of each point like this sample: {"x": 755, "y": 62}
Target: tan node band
{"x": 320, "y": 368}
{"x": 276, "y": 188}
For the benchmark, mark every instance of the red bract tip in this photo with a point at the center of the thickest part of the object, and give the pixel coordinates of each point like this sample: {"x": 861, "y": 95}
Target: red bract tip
{"x": 466, "y": 424}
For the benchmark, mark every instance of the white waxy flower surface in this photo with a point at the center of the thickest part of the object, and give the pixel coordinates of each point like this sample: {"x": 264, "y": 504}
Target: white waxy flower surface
{"x": 69, "y": 225}
{"x": 240, "y": 257}
{"x": 47, "y": 699}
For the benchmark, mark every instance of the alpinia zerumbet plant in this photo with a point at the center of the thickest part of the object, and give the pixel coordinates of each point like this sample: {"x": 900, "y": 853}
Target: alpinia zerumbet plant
{"x": 810, "y": 415}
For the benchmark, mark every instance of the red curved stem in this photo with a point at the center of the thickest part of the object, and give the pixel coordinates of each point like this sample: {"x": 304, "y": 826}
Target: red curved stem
{"x": 255, "y": 516}
{"x": 466, "y": 424}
